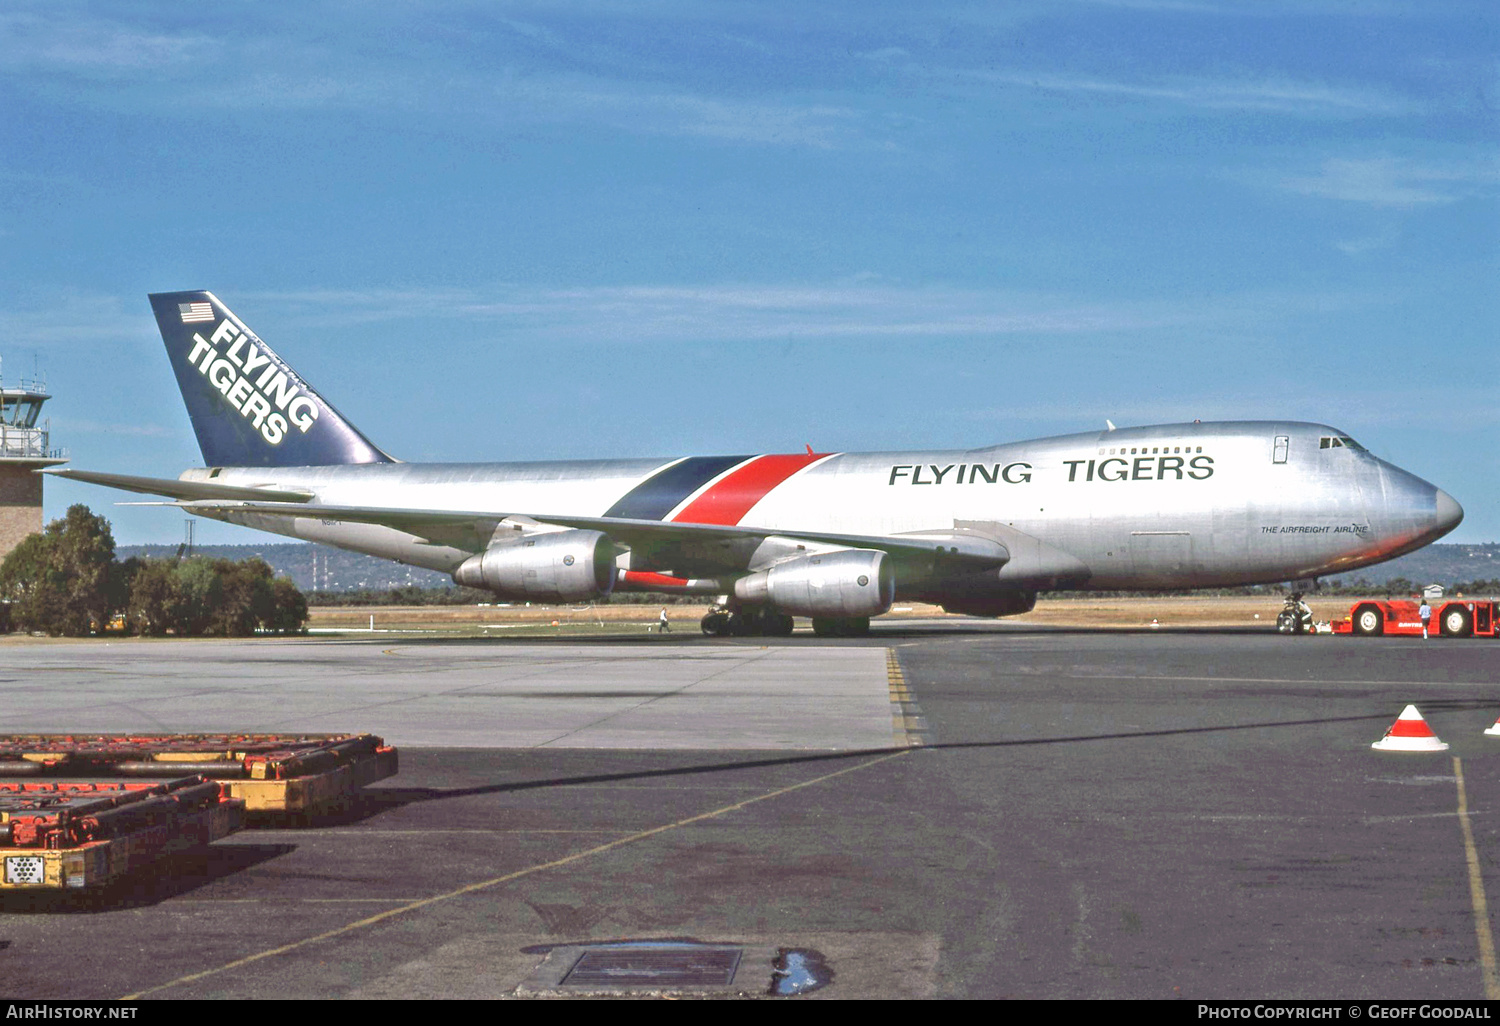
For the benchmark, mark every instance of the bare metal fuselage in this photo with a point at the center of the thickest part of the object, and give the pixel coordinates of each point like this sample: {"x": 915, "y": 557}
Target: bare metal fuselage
{"x": 833, "y": 536}
{"x": 1182, "y": 505}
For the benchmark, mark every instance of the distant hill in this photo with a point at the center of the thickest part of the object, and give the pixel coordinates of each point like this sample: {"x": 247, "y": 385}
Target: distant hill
{"x": 320, "y": 568}
{"x": 311, "y": 567}
{"x": 1437, "y": 564}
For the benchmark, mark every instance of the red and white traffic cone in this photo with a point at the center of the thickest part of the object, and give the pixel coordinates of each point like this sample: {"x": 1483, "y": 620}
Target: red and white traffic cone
{"x": 1410, "y": 733}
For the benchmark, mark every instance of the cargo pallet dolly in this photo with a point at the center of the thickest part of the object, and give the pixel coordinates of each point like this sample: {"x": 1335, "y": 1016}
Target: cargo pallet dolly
{"x": 270, "y": 773}
{"x": 82, "y": 827}
{"x": 77, "y": 835}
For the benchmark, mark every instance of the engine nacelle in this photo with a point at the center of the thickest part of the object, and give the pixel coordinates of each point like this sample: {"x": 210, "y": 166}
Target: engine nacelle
{"x": 559, "y": 566}
{"x": 844, "y": 583}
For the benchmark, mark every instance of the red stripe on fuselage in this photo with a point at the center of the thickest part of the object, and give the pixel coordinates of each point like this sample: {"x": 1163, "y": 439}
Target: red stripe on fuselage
{"x": 730, "y": 498}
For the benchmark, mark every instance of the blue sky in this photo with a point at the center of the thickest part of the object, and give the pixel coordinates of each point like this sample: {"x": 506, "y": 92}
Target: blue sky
{"x": 546, "y": 230}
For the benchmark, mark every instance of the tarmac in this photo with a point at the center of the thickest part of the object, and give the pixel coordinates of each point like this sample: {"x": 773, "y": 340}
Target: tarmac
{"x": 467, "y": 694}
{"x": 955, "y": 809}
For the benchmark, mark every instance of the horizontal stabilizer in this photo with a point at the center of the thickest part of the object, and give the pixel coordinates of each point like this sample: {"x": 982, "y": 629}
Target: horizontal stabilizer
{"x": 187, "y": 490}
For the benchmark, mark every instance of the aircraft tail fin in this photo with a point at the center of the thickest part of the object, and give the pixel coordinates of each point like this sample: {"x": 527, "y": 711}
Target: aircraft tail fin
{"x": 248, "y": 407}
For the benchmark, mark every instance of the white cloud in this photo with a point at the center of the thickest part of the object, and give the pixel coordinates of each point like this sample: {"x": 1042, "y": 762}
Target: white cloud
{"x": 1269, "y": 8}
{"x": 64, "y": 41}
{"x": 1393, "y": 181}
{"x": 1285, "y": 96}
{"x": 1375, "y": 242}
{"x": 860, "y": 307}
{"x": 62, "y": 426}
{"x": 887, "y": 53}
{"x": 182, "y": 75}
{"x": 857, "y": 309}
{"x": 1356, "y": 410}
{"x": 72, "y": 319}
{"x": 815, "y": 125}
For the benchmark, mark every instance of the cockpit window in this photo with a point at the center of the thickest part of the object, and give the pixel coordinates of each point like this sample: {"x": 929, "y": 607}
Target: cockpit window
{"x": 1351, "y": 443}
{"x": 1339, "y": 442}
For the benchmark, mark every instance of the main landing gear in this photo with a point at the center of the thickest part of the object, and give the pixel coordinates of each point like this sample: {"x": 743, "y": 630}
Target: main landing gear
{"x": 841, "y": 627}
{"x": 767, "y": 623}
{"x": 747, "y": 623}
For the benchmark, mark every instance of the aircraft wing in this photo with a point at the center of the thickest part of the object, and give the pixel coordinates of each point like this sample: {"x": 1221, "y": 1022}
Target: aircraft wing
{"x": 684, "y": 547}
{"x": 182, "y": 489}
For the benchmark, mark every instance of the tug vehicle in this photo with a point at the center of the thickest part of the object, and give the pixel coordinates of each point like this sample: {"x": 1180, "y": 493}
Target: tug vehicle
{"x": 1454, "y": 618}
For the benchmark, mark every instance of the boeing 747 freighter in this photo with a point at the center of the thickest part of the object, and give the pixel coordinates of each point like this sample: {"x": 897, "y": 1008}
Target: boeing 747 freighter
{"x": 835, "y": 536}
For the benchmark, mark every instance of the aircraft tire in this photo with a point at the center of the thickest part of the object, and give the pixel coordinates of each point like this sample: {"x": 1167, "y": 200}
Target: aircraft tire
{"x": 1368, "y": 622}
{"x": 841, "y": 626}
{"x": 761, "y": 623}
{"x": 742, "y": 625}
{"x": 1284, "y": 622}
{"x": 1456, "y": 623}
{"x": 715, "y": 624}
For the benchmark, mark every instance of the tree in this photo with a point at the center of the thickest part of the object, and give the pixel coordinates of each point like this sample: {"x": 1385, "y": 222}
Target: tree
{"x": 62, "y": 581}
{"x": 152, "y": 608}
{"x": 65, "y": 580}
{"x": 288, "y": 607}
{"x": 213, "y": 596}
{"x": 24, "y": 565}
{"x": 1400, "y": 586}
{"x": 245, "y": 589}
{"x": 197, "y": 590}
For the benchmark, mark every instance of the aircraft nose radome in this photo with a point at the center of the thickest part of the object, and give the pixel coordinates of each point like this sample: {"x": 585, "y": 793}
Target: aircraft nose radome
{"x": 1449, "y": 512}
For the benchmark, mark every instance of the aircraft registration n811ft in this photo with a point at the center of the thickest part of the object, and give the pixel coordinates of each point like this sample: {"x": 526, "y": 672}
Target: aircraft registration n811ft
{"x": 833, "y": 536}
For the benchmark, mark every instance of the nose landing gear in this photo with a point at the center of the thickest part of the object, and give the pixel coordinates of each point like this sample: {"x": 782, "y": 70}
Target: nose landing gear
{"x": 1295, "y": 617}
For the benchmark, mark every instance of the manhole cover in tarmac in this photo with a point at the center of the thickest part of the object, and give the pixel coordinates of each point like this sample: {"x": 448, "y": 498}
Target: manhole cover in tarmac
{"x": 655, "y": 966}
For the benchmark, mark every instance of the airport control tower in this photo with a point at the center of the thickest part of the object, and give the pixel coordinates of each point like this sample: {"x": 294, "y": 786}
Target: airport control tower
{"x": 25, "y": 446}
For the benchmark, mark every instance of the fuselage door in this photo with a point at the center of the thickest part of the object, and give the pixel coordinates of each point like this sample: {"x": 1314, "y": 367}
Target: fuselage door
{"x": 1162, "y": 557}
{"x": 1278, "y": 454}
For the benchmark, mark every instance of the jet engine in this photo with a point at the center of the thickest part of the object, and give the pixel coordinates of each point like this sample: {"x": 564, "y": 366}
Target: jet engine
{"x": 843, "y": 583}
{"x": 558, "y": 566}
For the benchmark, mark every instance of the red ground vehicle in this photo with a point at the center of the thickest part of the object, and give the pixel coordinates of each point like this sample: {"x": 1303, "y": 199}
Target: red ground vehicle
{"x": 1453, "y": 618}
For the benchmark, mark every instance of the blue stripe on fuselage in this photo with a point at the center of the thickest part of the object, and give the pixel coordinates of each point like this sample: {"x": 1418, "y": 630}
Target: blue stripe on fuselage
{"x": 662, "y": 492}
